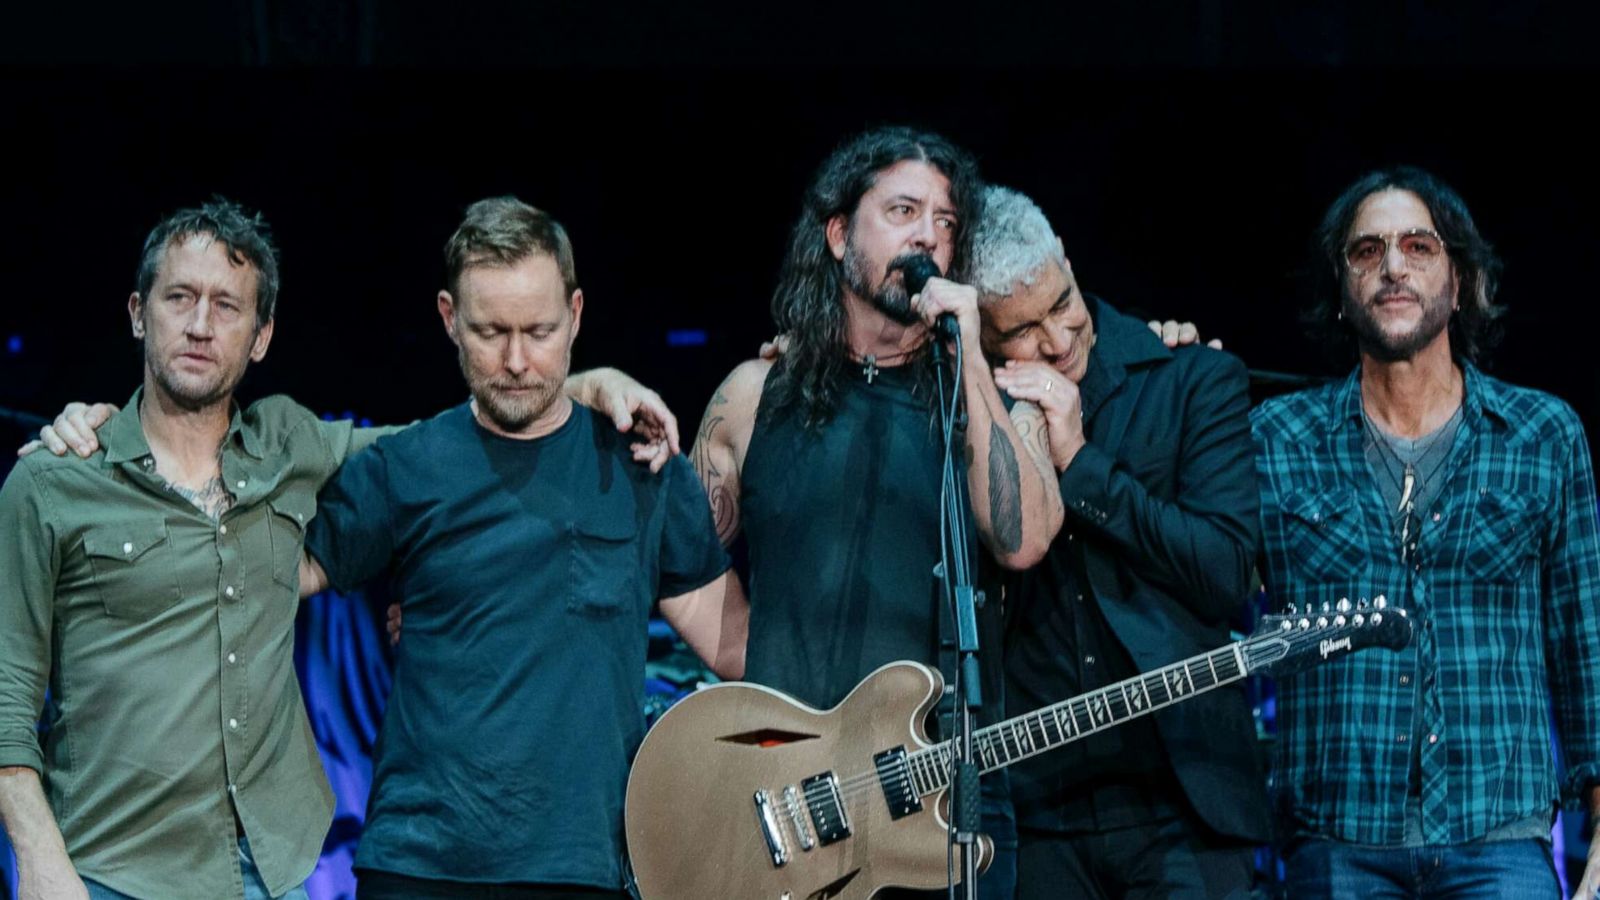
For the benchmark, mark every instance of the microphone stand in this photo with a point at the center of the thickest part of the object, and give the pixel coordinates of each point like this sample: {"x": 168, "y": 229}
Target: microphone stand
{"x": 955, "y": 575}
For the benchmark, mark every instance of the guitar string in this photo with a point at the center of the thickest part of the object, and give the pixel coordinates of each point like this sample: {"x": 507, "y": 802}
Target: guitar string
{"x": 852, "y": 787}
{"x": 1040, "y": 719}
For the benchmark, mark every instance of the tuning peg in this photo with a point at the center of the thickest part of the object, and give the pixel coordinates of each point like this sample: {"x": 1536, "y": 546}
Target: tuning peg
{"x": 1290, "y": 610}
{"x": 1343, "y": 604}
{"x": 1322, "y": 621}
{"x": 1381, "y": 602}
{"x": 1326, "y": 606}
{"x": 1288, "y": 625}
{"x": 1362, "y": 603}
{"x": 1377, "y": 618}
{"x": 1359, "y": 620}
{"x": 1338, "y": 621}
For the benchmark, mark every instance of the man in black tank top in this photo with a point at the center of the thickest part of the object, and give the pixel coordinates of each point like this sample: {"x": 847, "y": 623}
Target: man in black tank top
{"x": 1157, "y": 476}
{"x": 830, "y": 460}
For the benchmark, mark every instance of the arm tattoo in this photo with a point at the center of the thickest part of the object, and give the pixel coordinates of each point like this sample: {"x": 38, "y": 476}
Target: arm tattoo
{"x": 700, "y": 454}
{"x": 1032, "y": 429}
{"x": 724, "y": 501}
{"x": 1005, "y": 491}
{"x": 724, "y": 513}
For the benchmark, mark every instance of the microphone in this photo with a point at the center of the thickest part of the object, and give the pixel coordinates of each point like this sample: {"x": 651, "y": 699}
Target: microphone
{"x": 916, "y": 271}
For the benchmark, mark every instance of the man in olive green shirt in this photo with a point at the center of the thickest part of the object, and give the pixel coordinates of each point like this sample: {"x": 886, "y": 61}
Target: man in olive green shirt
{"x": 152, "y": 585}
{"x": 152, "y": 589}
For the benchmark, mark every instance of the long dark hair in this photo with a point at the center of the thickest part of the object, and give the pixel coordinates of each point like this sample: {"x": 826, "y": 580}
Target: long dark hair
{"x": 1473, "y": 329}
{"x": 808, "y": 304}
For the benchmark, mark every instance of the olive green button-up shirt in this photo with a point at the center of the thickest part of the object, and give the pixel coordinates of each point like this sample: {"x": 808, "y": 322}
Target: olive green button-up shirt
{"x": 167, "y": 643}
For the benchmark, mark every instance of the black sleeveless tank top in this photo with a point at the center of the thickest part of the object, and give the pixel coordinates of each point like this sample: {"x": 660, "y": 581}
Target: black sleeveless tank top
{"x": 842, "y": 526}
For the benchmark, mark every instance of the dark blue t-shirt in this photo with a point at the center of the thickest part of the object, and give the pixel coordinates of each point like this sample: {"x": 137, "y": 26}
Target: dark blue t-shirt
{"x": 526, "y": 571}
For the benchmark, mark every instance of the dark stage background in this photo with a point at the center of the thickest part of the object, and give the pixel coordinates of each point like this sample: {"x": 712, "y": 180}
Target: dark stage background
{"x": 1183, "y": 151}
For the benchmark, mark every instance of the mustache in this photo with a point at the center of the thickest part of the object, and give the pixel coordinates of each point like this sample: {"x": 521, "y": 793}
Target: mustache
{"x": 899, "y": 263}
{"x": 1390, "y": 293}
{"x": 517, "y": 384}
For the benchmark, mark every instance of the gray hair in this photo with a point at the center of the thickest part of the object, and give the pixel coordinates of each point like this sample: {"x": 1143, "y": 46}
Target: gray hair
{"x": 1011, "y": 243}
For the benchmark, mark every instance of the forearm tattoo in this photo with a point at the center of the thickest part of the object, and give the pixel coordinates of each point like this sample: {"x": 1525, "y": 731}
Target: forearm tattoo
{"x": 1005, "y": 491}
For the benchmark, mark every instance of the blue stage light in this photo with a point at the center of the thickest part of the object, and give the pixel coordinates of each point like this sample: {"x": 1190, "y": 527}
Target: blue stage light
{"x": 686, "y": 337}
{"x": 14, "y": 344}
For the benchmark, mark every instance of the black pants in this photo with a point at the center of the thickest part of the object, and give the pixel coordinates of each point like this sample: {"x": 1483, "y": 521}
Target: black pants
{"x": 1165, "y": 859}
{"x": 371, "y": 885}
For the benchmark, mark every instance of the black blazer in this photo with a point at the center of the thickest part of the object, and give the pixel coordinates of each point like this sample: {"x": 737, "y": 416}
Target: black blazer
{"x": 1163, "y": 498}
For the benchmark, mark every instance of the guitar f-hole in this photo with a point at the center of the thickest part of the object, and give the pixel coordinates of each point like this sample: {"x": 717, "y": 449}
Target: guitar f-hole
{"x": 767, "y": 737}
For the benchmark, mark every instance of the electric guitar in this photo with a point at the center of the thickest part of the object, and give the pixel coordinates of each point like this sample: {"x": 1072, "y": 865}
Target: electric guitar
{"x": 740, "y": 792}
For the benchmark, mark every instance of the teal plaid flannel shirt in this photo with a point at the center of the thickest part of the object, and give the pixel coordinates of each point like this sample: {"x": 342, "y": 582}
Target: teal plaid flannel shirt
{"x": 1501, "y": 587}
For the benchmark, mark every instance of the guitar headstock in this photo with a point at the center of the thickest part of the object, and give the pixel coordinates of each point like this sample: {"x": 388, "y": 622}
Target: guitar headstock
{"x": 1296, "y": 640}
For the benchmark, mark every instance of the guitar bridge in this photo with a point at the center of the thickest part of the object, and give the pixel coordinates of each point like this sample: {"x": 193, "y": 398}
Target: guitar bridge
{"x": 769, "y": 830}
{"x": 826, "y": 806}
{"x": 791, "y": 805}
{"x": 894, "y": 776}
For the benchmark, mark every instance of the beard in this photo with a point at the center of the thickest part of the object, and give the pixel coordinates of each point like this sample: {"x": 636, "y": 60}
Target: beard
{"x": 888, "y": 295}
{"x": 190, "y": 391}
{"x": 511, "y": 412}
{"x": 1390, "y": 346}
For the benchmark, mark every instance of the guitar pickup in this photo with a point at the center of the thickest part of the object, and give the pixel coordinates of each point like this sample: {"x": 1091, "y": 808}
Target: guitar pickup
{"x": 894, "y": 777}
{"x": 823, "y": 801}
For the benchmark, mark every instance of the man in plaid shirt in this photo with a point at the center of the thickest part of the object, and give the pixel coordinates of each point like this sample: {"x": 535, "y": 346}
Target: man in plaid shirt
{"x": 1421, "y": 483}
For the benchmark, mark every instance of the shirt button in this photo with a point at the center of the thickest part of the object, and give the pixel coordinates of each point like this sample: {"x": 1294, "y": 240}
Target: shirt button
{"x": 1436, "y": 517}
{"x": 223, "y": 529}
{"x": 1405, "y": 679}
{"x": 233, "y": 789}
{"x": 1433, "y": 739}
{"x": 1080, "y": 598}
{"x": 233, "y": 724}
{"x": 1402, "y": 736}
{"x": 1088, "y": 660}
{"x": 127, "y": 547}
{"x": 228, "y": 590}
{"x": 232, "y": 659}
{"x": 241, "y": 484}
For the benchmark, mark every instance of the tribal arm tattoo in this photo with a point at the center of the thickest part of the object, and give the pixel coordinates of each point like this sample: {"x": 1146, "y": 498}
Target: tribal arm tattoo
{"x": 712, "y": 457}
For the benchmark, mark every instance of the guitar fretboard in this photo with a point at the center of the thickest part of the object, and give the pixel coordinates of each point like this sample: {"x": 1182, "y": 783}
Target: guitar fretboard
{"x": 1002, "y": 744}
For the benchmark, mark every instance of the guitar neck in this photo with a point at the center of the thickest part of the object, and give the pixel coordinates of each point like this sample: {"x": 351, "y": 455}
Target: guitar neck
{"x": 1059, "y": 724}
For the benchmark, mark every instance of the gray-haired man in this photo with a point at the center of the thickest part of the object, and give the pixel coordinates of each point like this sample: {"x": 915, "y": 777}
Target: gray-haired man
{"x": 1152, "y": 446}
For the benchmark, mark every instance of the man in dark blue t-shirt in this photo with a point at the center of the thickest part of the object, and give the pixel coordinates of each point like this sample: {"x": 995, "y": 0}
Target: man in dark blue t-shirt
{"x": 527, "y": 549}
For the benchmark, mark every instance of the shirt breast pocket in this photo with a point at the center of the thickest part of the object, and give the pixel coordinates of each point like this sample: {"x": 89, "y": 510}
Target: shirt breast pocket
{"x": 1503, "y": 536}
{"x": 286, "y": 528}
{"x": 1324, "y": 534}
{"x": 604, "y": 578}
{"x": 133, "y": 568}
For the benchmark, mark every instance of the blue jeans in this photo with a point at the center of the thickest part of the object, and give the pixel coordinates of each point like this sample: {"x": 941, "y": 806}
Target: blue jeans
{"x": 1492, "y": 870}
{"x": 253, "y": 888}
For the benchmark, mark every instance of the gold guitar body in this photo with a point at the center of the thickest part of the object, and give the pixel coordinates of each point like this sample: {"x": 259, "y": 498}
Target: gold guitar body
{"x": 696, "y": 832}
